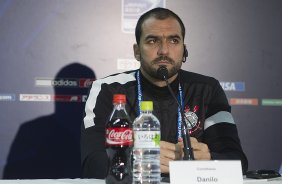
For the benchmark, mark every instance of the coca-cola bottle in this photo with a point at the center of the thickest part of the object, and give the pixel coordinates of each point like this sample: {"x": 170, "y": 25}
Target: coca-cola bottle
{"x": 119, "y": 142}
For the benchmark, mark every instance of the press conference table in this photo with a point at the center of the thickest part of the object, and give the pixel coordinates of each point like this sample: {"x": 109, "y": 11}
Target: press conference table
{"x": 96, "y": 181}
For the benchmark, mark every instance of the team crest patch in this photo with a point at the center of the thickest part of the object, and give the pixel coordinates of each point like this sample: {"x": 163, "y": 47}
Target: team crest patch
{"x": 191, "y": 118}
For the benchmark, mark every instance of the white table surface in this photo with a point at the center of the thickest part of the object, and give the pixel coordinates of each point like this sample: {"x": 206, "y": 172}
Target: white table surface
{"x": 54, "y": 181}
{"x": 96, "y": 181}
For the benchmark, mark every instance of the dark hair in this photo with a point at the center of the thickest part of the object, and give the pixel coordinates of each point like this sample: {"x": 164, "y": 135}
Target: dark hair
{"x": 158, "y": 13}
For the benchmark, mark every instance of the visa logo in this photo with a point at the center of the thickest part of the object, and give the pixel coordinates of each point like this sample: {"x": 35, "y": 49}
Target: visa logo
{"x": 233, "y": 86}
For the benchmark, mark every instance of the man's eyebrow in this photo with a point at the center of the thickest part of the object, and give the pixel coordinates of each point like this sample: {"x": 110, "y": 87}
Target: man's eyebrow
{"x": 156, "y": 36}
{"x": 175, "y": 36}
{"x": 151, "y": 36}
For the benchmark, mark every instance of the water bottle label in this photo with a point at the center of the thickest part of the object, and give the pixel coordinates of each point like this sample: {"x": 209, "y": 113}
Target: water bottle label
{"x": 147, "y": 139}
{"x": 119, "y": 136}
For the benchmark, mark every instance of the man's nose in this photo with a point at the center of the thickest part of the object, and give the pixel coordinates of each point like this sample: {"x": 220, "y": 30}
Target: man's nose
{"x": 163, "y": 48}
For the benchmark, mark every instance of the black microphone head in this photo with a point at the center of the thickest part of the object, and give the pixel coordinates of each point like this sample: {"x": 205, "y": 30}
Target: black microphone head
{"x": 162, "y": 73}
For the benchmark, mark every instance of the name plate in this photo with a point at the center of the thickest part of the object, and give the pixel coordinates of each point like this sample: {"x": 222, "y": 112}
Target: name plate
{"x": 206, "y": 172}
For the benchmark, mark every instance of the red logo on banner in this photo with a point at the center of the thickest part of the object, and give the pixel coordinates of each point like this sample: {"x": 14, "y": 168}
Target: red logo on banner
{"x": 119, "y": 137}
{"x": 67, "y": 98}
{"x": 243, "y": 101}
{"x": 85, "y": 83}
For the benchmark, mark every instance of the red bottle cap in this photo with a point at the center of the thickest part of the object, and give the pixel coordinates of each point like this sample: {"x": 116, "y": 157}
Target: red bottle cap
{"x": 119, "y": 98}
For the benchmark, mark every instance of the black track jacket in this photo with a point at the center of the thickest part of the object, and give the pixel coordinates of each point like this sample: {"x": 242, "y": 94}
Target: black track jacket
{"x": 205, "y": 104}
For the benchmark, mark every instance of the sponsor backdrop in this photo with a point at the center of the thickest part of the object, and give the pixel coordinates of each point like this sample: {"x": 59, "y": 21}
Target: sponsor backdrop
{"x": 52, "y": 50}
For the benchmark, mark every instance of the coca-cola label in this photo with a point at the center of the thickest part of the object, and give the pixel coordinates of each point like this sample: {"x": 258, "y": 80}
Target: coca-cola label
{"x": 119, "y": 136}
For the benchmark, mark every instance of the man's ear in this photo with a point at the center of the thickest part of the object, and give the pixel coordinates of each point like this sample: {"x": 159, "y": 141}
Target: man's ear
{"x": 136, "y": 50}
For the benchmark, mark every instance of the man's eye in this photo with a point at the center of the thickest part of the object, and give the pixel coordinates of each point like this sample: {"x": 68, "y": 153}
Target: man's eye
{"x": 174, "y": 41}
{"x": 152, "y": 41}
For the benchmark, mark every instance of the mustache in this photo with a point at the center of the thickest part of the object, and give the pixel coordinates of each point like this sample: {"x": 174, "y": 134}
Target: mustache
{"x": 163, "y": 58}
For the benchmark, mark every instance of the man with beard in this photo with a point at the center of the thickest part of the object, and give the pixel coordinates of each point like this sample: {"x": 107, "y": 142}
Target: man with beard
{"x": 160, "y": 42}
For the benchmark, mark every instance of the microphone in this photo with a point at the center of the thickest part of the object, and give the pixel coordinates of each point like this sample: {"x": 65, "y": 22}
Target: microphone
{"x": 162, "y": 73}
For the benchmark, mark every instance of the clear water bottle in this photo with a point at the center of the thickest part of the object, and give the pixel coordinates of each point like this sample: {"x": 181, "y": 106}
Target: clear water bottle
{"x": 146, "y": 150}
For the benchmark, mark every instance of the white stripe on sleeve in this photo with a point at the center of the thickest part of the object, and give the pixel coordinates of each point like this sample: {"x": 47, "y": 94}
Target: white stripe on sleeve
{"x": 220, "y": 117}
{"x": 94, "y": 92}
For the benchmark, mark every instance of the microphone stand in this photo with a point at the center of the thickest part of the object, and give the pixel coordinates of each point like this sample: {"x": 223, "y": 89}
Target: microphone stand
{"x": 187, "y": 149}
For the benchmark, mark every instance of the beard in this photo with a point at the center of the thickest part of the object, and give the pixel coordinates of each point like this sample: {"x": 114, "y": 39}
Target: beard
{"x": 152, "y": 72}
